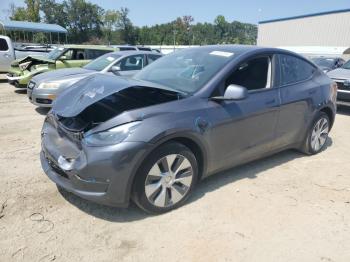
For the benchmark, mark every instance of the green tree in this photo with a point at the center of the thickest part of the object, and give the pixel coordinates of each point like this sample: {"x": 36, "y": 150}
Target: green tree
{"x": 17, "y": 13}
{"x": 126, "y": 27}
{"x": 84, "y": 20}
{"x": 111, "y": 20}
{"x": 33, "y": 8}
{"x": 54, "y": 13}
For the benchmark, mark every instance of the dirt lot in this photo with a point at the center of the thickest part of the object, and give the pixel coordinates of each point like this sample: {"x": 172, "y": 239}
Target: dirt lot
{"x": 288, "y": 207}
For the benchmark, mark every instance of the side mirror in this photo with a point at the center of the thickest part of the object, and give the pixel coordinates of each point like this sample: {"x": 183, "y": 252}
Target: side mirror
{"x": 233, "y": 92}
{"x": 115, "y": 69}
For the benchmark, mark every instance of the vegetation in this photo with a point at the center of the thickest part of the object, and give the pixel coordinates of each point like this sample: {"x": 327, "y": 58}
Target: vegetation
{"x": 87, "y": 22}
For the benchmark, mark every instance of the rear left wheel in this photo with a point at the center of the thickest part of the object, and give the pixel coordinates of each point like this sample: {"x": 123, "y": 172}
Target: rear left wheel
{"x": 166, "y": 178}
{"x": 318, "y": 134}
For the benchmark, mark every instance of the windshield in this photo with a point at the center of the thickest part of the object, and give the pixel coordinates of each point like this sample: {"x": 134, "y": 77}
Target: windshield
{"x": 102, "y": 62}
{"x": 324, "y": 62}
{"x": 55, "y": 54}
{"x": 346, "y": 65}
{"x": 187, "y": 70}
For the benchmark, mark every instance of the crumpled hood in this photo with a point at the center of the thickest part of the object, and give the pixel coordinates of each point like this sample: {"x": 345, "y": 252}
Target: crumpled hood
{"x": 339, "y": 73}
{"x": 33, "y": 58}
{"x": 88, "y": 91}
{"x": 60, "y": 74}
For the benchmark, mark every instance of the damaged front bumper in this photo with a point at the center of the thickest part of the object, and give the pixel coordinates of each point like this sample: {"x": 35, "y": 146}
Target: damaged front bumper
{"x": 17, "y": 81}
{"x": 100, "y": 174}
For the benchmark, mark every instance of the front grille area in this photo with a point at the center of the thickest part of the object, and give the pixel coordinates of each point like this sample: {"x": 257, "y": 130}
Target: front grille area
{"x": 341, "y": 86}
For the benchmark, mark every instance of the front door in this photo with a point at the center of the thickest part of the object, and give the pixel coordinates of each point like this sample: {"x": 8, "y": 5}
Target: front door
{"x": 131, "y": 65}
{"x": 244, "y": 130}
{"x": 6, "y": 55}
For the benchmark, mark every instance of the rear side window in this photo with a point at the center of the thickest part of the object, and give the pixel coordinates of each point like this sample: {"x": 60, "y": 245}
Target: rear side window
{"x": 93, "y": 54}
{"x": 3, "y": 45}
{"x": 294, "y": 70}
{"x": 127, "y": 48}
{"x": 144, "y": 49}
{"x": 152, "y": 58}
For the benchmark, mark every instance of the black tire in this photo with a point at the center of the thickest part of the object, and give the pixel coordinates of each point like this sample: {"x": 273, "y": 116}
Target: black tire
{"x": 307, "y": 147}
{"x": 139, "y": 194}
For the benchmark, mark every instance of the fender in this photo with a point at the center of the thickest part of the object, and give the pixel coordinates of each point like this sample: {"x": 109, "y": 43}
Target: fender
{"x": 157, "y": 142}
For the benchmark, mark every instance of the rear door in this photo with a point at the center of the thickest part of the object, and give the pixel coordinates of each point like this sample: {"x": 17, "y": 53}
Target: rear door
{"x": 298, "y": 92}
{"x": 6, "y": 54}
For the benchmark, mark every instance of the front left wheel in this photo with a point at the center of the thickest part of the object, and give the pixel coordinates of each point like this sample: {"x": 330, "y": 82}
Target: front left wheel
{"x": 166, "y": 178}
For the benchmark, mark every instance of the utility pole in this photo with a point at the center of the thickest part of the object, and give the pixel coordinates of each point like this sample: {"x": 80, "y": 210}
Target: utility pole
{"x": 174, "y": 31}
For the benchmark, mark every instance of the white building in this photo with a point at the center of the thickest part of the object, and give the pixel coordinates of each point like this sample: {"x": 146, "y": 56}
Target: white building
{"x": 327, "y": 32}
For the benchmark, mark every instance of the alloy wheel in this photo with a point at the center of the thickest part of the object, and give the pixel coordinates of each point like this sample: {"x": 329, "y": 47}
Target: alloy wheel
{"x": 319, "y": 134}
{"x": 169, "y": 180}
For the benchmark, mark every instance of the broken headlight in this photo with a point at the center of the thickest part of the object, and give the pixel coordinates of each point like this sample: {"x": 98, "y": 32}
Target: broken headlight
{"x": 112, "y": 136}
{"x": 24, "y": 66}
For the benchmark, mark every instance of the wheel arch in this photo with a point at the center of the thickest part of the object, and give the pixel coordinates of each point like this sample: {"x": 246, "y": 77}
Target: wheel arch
{"x": 187, "y": 140}
{"x": 330, "y": 113}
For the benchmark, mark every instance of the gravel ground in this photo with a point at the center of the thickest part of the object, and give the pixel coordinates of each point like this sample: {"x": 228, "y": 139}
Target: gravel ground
{"x": 288, "y": 207}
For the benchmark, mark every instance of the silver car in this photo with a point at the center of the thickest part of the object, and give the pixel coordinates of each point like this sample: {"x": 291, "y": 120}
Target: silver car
{"x": 342, "y": 77}
{"x": 43, "y": 89}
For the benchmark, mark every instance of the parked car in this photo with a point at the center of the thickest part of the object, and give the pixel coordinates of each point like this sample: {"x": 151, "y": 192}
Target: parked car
{"x": 44, "y": 88}
{"x": 63, "y": 57}
{"x": 9, "y": 52}
{"x": 328, "y": 63}
{"x": 342, "y": 77}
{"x": 186, "y": 116}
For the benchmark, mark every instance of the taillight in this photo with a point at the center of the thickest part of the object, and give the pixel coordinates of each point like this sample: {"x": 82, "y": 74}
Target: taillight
{"x": 334, "y": 89}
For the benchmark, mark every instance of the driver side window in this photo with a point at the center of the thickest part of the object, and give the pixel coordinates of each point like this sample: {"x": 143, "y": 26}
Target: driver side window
{"x": 131, "y": 63}
{"x": 253, "y": 74}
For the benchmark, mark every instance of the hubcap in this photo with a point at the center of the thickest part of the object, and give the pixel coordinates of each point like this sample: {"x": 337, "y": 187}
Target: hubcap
{"x": 319, "y": 134}
{"x": 169, "y": 180}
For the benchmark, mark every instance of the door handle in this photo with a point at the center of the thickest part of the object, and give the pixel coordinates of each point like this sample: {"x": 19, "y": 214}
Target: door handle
{"x": 270, "y": 102}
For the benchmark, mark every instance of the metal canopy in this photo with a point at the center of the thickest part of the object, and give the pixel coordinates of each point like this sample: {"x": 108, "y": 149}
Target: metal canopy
{"x": 31, "y": 27}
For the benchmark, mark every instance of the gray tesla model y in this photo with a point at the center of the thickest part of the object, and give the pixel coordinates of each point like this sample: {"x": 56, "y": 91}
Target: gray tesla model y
{"x": 186, "y": 116}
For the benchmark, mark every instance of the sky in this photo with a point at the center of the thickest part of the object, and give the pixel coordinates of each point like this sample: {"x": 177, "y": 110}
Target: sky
{"x": 152, "y": 12}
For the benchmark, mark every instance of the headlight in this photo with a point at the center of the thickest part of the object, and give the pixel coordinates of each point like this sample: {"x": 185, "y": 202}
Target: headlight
{"x": 112, "y": 136}
{"x": 49, "y": 85}
{"x": 58, "y": 84}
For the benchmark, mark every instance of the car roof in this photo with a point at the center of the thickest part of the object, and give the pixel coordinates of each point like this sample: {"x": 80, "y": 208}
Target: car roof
{"x": 135, "y": 52}
{"x": 236, "y": 49}
{"x": 247, "y": 50}
{"x": 94, "y": 47}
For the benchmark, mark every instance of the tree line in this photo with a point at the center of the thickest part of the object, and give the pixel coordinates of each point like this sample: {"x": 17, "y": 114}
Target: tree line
{"x": 89, "y": 23}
